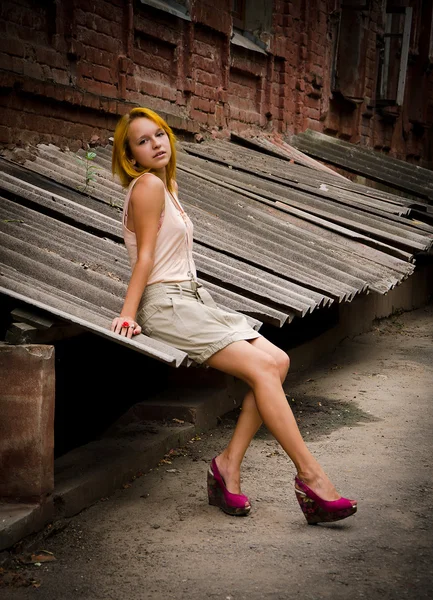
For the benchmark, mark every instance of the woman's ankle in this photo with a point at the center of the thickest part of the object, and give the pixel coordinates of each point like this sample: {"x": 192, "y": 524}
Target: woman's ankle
{"x": 319, "y": 482}
{"x": 227, "y": 462}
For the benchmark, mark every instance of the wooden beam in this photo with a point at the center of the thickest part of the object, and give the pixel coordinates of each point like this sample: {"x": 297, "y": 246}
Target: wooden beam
{"x": 23, "y": 333}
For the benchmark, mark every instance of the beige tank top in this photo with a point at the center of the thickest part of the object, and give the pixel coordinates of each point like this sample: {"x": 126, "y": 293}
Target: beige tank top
{"x": 173, "y": 252}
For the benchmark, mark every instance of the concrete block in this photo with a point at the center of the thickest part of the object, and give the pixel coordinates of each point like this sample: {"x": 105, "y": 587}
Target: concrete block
{"x": 198, "y": 396}
{"x": 91, "y": 472}
{"x": 96, "y": 470}
{"x": 20, "y": 520}
{"x": 27, "y": 391}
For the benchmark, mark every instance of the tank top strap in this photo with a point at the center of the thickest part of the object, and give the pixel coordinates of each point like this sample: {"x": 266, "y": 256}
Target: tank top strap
{"x": 174, "y": 200}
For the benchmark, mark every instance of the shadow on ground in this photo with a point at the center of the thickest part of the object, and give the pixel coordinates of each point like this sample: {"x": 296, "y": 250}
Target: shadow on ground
{"x": 317, "y": 416}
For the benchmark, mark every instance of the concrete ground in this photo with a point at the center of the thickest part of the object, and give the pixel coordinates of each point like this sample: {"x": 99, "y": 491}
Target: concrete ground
{"x": 367, "y": 414}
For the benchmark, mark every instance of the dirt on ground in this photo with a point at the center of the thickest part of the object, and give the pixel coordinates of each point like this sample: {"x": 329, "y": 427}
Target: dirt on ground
{"x": 366, "y": 413}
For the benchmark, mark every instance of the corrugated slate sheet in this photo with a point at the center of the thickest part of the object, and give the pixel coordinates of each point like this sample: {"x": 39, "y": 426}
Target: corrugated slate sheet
{"x": 275, "y": 169}
{"x": 273, "y": 240}
{"x": 53, "y": 264}
{"x": 394, "y": 173}
{"x": 276, "y": 146}
{"x": 378, "y": 219}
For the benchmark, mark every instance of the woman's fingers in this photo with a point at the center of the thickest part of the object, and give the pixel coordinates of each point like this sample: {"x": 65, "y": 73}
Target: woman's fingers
{"x": 125, "y": 326}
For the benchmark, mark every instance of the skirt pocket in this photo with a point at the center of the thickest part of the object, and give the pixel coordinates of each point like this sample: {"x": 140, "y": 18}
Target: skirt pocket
{"x": 184, "y": 316}
{"x": 144, "y": 317}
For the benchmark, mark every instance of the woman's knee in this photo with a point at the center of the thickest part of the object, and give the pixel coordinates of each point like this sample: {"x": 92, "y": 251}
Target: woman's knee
{"x": 283, "y": 361}
{"x": 280, "y": 357}
{"x": 266, "y": 365}
{"x": 249, "y": 363}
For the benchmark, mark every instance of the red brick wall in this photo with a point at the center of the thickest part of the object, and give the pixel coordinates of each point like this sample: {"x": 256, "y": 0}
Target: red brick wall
{"x": 393, "y": 132}
{"x": 69, "y": 69}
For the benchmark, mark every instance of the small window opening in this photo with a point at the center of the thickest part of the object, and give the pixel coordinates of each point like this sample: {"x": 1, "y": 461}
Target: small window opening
{"x": 178, "y": 8}
{"x": 392, "y": 57}
{"x": 349, "y": 30}
{"x": 252, "y": 20}
{"x": 238, "y": 13}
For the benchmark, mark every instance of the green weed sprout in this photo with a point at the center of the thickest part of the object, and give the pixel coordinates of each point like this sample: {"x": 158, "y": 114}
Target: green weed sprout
{"x": 89, "y": 170}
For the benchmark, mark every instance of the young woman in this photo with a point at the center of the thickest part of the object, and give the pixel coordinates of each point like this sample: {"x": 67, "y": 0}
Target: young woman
{"x": 165, "y": 300}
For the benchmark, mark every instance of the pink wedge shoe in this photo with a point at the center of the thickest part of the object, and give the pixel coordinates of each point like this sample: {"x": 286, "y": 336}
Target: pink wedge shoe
{"x": 316, "y": 510}
{"x": 233, "y": 504}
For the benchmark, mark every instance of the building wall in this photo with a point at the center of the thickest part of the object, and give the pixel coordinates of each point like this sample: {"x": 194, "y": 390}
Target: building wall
{"x": 68, "y": 69}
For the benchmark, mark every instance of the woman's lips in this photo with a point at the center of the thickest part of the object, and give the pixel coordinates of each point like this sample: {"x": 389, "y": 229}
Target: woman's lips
{"x": 159, "y": 154}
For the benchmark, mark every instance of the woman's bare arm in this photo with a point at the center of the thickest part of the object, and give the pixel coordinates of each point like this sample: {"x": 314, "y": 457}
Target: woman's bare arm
{"x": 146, "y": 204}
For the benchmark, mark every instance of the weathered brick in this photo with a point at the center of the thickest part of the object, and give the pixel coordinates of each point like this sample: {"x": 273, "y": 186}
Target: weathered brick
{"x": 132, "y": 84}
{"x": 312, "y": 113}
{"x": 311, "y": 102}
{"x": 91, "y": 101}
{"x": 206, "y": 64}
{"x": 103, "y": 74}
{"x": 12, "y": 47}
{"x": 206, "y": 78}
{"x": 112, "y": 11}
{"x": 154, "y": 63}
{"x": 219, "y": 115}
{"x": 168, "y": 93}
{"x": 180, "y": 98}
{"x": 99, "y": 57}
{"x": 50, "y": 57}
{"x": 60, "y": 76}
{"x": 102, "y": 25}
{"x": 204, "y": 49}
{"x": 199, "y": 116}
{"x": 211, "y": 120}
{"x": 125, "y": 65}
{"x": 6, "y": 135}
{"x": 107, "y": 105}
{"x": 98, "y": 40}
{"x": 99, "y": 88}
{"x": 192, "y": 126}
{"x": 313, "y": 124}
{"x": 85, "y": 69}
{"x": 31, "y": 69}
{"x": 6, "y": 62}
{"x": 150, "y": 88}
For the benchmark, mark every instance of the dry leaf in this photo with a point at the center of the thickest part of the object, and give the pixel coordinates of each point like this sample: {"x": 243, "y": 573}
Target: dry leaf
{"x": 43, "y": 557}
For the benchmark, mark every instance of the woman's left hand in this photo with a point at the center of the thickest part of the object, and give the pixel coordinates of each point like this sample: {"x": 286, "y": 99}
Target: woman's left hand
{"x": 125, "y": 326}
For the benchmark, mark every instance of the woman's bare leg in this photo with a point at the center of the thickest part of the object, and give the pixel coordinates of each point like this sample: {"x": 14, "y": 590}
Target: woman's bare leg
{"x": 248, "y": 423}
{"x": 260, "y": 371}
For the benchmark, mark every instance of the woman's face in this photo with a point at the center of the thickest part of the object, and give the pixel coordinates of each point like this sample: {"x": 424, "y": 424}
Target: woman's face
{"x": 149, "y": 144}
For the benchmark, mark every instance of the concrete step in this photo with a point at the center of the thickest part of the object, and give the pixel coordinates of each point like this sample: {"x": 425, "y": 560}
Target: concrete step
{"x": 91, "y": 472}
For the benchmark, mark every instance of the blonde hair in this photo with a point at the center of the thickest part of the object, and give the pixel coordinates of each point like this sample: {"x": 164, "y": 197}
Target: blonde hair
{"x": 121, "y": 162}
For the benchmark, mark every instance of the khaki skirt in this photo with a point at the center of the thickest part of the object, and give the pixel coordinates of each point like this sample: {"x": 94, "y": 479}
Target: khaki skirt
{"x": 185, "y": 316}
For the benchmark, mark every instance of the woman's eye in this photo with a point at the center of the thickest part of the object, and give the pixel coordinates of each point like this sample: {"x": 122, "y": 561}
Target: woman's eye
{"x": 160, "y": 134}
{"x": 142, "y": 142}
